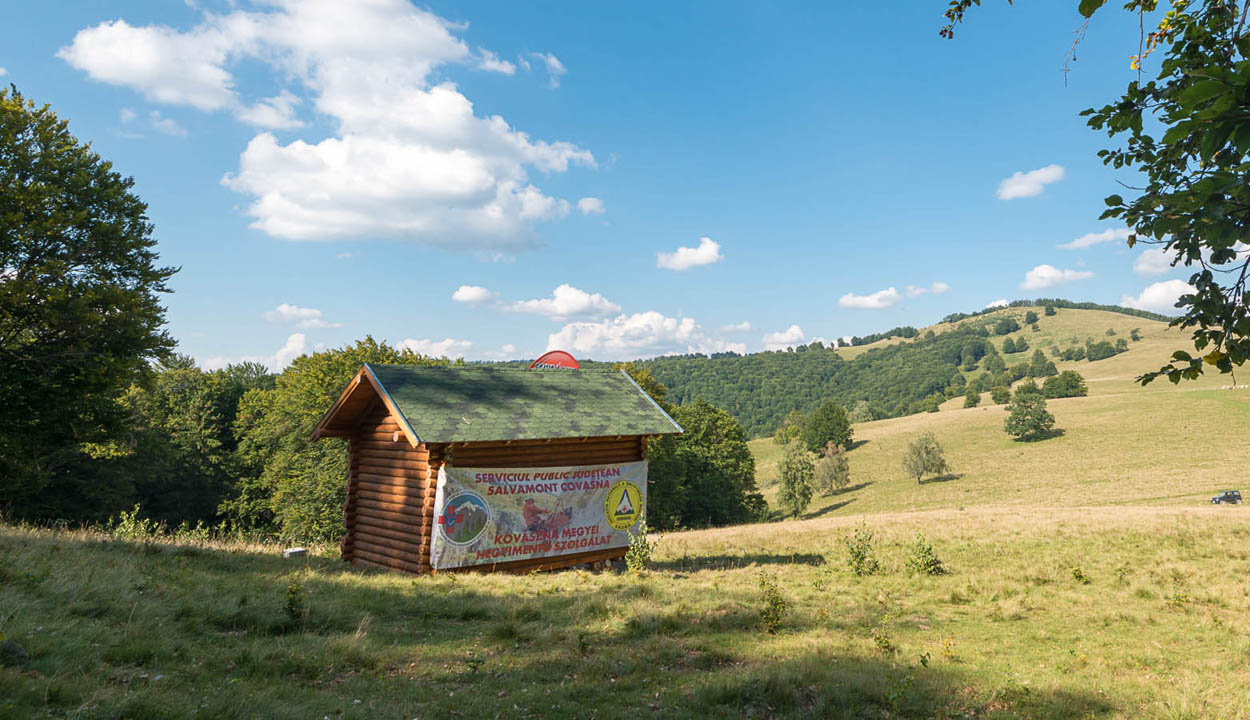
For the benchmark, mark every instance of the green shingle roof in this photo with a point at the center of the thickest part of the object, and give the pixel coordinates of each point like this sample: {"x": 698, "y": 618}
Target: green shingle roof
{"x": 479, "y": 404}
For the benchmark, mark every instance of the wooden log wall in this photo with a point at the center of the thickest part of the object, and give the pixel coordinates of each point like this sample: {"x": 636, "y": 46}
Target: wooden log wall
{"x": 389, "y": 511}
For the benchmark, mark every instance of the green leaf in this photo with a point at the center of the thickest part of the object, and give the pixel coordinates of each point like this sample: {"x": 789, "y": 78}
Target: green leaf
{"x": 1114, "y": 201}
{"x": 1088, "y": 7}
{"x": 1182, "y": 355}
{"x": 1202, "y": 91}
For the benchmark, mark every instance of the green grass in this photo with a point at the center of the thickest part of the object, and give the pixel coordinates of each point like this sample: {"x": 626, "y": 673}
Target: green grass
{"x": 1153, "y": 625}
{"x": 1089, "y": 577}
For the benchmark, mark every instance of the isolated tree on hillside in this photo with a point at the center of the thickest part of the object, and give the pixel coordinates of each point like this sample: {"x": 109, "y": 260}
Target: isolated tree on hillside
{"x": 1021, "y": 344}
{"x": 828, "y": 423}
{"x": 1000, "y": 394}
{"x": 972, "y": 398}
{"x": 1028, "y": 418}
{"x": 1040, "y": 366}
{"x": 1049, "y": 310}
{"x": 1009, "y": 345}
{"x": 1135, "y": 334}
{"x": 924, "y": 456}
{"x": 80, "y": 310}
{"x": 862, "y": 412}
{"x": 1068, "y": 383}
{"x": 795, "y": 472}
{"x": 1030, "y": 318}
{"x": 789, "y": 428}
{"x": 833, "y": 470}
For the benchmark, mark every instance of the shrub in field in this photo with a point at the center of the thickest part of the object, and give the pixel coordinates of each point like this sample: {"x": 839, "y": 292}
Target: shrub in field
{"x": 1029, "y": 419}
{"x": 859, "y": 552}
{"x": 924, "y": 456}
{"x": 773, "y": 612}
{"x": 795, "y": 473}
{"x": 1000, "y": 394}
{"x": 828, "y": 423}
{"x": 638, "y": 556}
{"x": 1068, "y": 383}
{"x": 972, "y": 398}
{"x": 295, "y": 605}
{"x": 832, "y": 471}
{"x": 922, "y": 560}
{"x": 1030, "y": 318}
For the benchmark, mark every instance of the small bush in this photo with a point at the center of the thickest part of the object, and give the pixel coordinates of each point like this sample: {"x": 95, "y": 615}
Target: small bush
{"x": 295, "y": 605}
{"x": 859, "y": 552}
{"x": 1000, "y": 394}
{"x": 832, "y": 470}
{"x": 773, "y": 613}
{"x": 881, "y": 636}
{"x": 922, "y": 559}
{"x": 638, "y": 556}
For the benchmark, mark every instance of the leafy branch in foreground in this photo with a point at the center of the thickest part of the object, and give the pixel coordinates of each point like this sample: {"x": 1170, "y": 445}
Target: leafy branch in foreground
{"x": 1195, "y": 201}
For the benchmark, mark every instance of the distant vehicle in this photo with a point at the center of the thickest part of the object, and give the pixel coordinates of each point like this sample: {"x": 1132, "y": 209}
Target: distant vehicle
{"x": 1228, "y": 497}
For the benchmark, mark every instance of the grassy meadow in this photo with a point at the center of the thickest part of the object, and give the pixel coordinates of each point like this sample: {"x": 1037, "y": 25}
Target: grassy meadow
{"x": 1088, "y": 577}
{"x": 1095, "y": 612}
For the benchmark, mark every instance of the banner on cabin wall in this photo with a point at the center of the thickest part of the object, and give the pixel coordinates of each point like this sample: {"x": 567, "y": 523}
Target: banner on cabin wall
{"x": 485, "y": 516}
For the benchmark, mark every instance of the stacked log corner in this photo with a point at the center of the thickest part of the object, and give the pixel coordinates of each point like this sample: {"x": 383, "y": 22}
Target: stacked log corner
{"x": 389, "y": 511}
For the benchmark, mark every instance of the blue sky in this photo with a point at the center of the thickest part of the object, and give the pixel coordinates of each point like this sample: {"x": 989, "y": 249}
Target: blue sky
{"x": 495, "y": 179}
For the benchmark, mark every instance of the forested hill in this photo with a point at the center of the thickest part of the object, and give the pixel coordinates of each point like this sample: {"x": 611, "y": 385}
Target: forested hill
{"x": 892, "y": 377}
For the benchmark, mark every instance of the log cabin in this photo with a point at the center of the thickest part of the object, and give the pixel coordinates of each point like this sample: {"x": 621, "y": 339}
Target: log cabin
{"x": 455, "y": 468}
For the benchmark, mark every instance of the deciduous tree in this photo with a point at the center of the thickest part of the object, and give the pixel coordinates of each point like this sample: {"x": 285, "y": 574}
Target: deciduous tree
{"x": 80, "y": 309}
{"x": 924, "y": 456}
{"x": 795, "y": 472}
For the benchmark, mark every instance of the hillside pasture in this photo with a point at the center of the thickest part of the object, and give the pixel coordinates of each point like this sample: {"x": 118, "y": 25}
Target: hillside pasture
{"x": 1092, "y": 612}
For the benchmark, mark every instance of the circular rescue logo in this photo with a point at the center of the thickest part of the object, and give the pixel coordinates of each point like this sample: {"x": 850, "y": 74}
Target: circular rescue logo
{"x": 623, "y": 505}
{"x": 464, "y": 518}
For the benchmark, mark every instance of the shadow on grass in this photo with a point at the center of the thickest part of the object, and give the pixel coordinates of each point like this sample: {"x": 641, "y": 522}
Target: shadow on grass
{"x": 1038, "y": 437}
{"x": 948, "y": 477}
{"x": 829, "y": 685}
{"x": 732, "y": 562}
{"x": 828, "y": 509}
{"x": 643, "y": 647}
{"x": 857, "y": 444}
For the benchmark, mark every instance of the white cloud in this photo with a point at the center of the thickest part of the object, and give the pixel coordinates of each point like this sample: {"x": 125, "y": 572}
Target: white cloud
{"x": 1044, "y": 276}
{"x": 876, "y": 301}
{"x": 1159, "y": 297}
{"x": 685, "y": 258}
{"x": 639, "y": 335}
{"x": 447, "y": 347}
{"x": 1001, "y": 302}
{"x": 936, "y": 288}
{"x": 344, "y": 256}
{"x": 3, "y": 72}
{"x": 127, "y": 115}
{"x": 408, "y": 157}
{"x": 166, "y": 125}
{"x": 490, "y": 62}
{"x": 555, "y": 68}
{"x": 590, "y": 206}
{"x": 302, "y": 317}
{"x": 472, "y": 295}
{"x": 1154, "y": 261}
{"x": 1098, "y": 238}
{"x": 567, "y": 302}
{"x": 1029, "y": 184}
{"x": 272, "y": 113}
{"x": 791, "y": 336}
{"x": 736, "y": 328}
{"x": 295, "y": 346}
{"x": 163, "y": 64}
